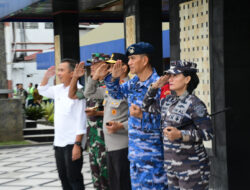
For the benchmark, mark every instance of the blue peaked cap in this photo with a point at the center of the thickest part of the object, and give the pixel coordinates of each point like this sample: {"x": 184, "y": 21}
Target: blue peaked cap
{"x": 139, "y": 48}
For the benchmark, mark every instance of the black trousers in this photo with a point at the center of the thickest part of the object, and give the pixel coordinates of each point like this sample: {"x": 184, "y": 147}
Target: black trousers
{"x": 69, "y": 171}
{"x": 118, "y": 170}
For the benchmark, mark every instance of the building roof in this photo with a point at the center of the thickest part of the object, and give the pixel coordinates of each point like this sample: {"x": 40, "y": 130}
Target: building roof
{"x": 89, "y": 10}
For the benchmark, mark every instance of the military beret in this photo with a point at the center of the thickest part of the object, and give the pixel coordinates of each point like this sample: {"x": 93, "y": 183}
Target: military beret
{"x": 96, "y": 58}
{"x": 139, "y": 48}
{"x": 179, "y": 66}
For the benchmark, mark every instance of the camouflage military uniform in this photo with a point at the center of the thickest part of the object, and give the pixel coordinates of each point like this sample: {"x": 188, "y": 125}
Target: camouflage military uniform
{"x": 186, "y": 159}
{"x": 96, "y": 145}
{"x": 145, "y": 137}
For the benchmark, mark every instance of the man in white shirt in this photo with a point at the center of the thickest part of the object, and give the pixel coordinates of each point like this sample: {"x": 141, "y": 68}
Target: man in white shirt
{"x": 69, "y": 123}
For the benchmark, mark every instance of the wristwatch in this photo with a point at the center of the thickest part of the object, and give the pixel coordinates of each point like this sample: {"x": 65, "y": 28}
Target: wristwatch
{"x": 78, "y": 143}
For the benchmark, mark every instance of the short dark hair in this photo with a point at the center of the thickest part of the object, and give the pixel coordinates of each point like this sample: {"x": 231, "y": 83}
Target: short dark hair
{"x": 149, "y": 55}
{"x": 193, "y": 83}
{"x": 72, "y": 63}
{"x": 128, "y": 69}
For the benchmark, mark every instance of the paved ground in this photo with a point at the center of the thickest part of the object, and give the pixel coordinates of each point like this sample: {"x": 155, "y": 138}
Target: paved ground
{"x": 33, "y": 168}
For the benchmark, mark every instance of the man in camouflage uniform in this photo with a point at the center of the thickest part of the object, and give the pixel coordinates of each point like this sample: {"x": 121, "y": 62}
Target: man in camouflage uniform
{"x": 145, "y": 137}
{"x": 186, "y": 124}
{"x": 115, "y": 125}
{"x": 95, "y": 136}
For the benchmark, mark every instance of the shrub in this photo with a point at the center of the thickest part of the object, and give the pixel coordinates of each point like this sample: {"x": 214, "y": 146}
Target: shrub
{"x": 34, "y": 112}
{"x": 48, "y": 111}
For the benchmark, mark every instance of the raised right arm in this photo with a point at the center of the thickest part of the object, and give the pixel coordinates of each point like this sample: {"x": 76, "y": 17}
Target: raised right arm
{"x": 92, "y": 91}
{"x": 44, "y": 89}
{"x": 78, "y": 72}
{"x": 150, "y": 103}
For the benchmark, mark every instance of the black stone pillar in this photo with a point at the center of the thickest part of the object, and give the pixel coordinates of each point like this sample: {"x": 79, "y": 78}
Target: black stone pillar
{"x": 219, "y": 172}
{"x": 229, "y": 60}
{"x": 148, "y": 26}
{"x": 174, "y": 29}
{"x": 66, "y": 26}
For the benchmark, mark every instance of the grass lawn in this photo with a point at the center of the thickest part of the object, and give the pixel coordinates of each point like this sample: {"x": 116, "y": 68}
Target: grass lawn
{"x": 14, "y": 143}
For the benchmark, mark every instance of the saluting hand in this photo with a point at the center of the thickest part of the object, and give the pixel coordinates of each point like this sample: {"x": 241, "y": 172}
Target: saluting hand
{"x": 100, "y": 72}
{"x": 172, "y": 133}
{"x": 135, "y": 111}
{"x": 50, "y": 72}
{"x": 161, "y": 81}
{"x": 79, "y": 70}
{"x": 117, "y": 69}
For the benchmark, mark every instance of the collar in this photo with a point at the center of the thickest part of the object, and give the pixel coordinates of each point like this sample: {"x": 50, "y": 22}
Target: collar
{"x": 183, "y": 96}
{"x": 150, "y": 79}
{"x": 125, "y": 79}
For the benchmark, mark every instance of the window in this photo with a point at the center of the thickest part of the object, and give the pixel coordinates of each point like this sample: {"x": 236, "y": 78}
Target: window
{"x": 48, "y": 25}
{"x": 30, "y": 25}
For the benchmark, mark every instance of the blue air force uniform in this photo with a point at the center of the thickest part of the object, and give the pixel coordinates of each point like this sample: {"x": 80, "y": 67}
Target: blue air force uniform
{"x": 145, "y": 135}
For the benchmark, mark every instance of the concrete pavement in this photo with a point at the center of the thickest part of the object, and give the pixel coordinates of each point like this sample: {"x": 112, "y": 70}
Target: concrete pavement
{"x": 34, "y": 168}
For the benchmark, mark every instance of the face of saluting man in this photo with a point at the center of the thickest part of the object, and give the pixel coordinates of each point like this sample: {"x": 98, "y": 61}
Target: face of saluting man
{"x": 64, "y": 73}
{"x": 137, "y": 63}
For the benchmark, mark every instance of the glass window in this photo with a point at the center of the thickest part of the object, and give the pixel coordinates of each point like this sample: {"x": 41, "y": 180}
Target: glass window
{"x": 48, "y": 25}
{"x": 30, "y": 25}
